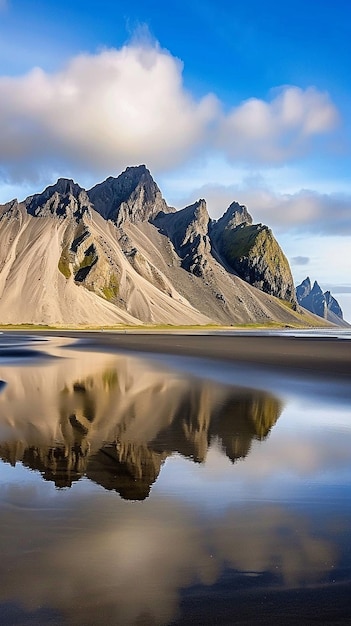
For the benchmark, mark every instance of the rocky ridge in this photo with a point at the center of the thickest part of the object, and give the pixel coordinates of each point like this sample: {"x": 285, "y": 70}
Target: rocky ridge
{"x": 118, "y": 253}
{"x": 253, "y": 252}
{"x": 322, "y": 304}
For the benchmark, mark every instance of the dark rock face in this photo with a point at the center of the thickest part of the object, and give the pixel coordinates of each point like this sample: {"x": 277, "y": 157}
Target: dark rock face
{"x": 333, "y": 305}
{"x": 133, "y": 196}
{"x": 303, "y": 289}
{"x": 236, "y": 215}
{"x": 253, "y": 252}
{"x": 322, "y": 304}
{"x": 188, "y": 230}
{"x": 64, "y": 199}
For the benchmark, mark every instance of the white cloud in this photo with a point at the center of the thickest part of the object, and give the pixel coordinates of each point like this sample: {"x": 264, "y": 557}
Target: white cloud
{"x": 101, "y": 112}
{"x": 127, "y": 106}
{"x": 275, "y": 131}
{"x": 318, "y": 214}
{"x": 305, "y": 210}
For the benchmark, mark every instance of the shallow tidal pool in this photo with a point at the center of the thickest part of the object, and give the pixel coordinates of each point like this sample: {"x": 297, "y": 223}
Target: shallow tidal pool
{"x": 161, "y": 491}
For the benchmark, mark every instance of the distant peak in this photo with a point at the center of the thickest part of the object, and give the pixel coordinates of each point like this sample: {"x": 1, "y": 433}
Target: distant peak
{"x": 307, "y": 283}
{"x": 316, "y": 287}
{"x": 322, "y": 304}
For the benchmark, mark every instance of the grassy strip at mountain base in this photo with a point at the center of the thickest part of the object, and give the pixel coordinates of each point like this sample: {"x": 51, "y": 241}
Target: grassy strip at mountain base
{"x": 164, "y": 327}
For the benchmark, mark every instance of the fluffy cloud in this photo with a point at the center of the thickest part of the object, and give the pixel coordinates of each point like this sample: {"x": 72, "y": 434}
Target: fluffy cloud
{"x": 101, "y": 112}
{"x": 127, "y": 106}
{"x": 272, "y": 132}
{"x": 319, "y": 214}
{"x": 306, "y": 210}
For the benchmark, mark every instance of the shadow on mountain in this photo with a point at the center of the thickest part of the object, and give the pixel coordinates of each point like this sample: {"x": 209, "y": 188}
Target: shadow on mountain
{"x": 117, "y": 424}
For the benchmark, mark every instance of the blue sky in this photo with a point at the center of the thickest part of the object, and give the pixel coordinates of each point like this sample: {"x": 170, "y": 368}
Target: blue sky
{"x": 224, "y": 100}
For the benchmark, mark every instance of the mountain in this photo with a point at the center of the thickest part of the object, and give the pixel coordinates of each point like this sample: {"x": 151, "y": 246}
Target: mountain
{"x": 253, "y": 252}
{"x": 133, "y": 196}
{"x": 118, "y": 253}
{"x": 322, "y": 304}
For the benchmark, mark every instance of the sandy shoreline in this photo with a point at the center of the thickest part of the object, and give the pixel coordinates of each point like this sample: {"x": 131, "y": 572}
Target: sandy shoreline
{"x": 327, "y": 356}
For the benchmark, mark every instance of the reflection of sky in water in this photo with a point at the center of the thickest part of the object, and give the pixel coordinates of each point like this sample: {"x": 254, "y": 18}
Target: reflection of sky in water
{"x": 307, "y": 450}
{"x": 278, "y": 516}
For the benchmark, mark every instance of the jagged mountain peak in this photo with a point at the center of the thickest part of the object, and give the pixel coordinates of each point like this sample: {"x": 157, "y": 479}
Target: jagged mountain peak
{"x": 64, "y": 198}
{"x": 316, "y": 289}
{"x": 63, "y": 186}
{"x": 185, "y": 224}
{"x": 188, "y": 229}
{"x": 235, "y": 215}
{"x": 67, "y": 186}
{"x": 196, "y": 211}
{"x": 131, "y": 197}
{"x": 322, "y": 304}
{"x": 333, "y": 305}
{"x": 307, "y": 283}
{"x": 9, "y": 207}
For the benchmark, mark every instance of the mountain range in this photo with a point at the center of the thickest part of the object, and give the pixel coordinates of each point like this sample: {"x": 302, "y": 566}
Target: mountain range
{"x": 322, "y": 304}
{"x": 118, "y": 253}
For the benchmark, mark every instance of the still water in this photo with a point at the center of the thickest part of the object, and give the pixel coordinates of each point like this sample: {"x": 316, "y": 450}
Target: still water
{"x": 137, "y": 492}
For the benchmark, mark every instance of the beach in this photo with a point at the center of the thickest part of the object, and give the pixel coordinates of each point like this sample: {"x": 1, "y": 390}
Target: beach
{"x": 301, "y": 353}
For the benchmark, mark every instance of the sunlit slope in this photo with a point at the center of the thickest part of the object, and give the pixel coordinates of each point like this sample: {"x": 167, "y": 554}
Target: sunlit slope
{"x": 119, "y": 255}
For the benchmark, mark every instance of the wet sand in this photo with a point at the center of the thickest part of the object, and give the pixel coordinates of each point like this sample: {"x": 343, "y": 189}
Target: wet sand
{"x": 326, "y": 356}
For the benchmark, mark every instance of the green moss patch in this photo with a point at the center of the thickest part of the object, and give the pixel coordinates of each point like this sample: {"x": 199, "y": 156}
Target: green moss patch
{"x": 63, "y": 264}
{"x": 110, "y": 290}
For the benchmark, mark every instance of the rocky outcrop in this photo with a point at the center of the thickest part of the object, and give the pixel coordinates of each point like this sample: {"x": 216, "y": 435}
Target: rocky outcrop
{"x": 333, "y": 305}
{"x": 253, "y": 252}
{"x": 235, "y": 215}
{"x": 188, "y": 230}
{"x": 64, "y": 199}
{"x": 132, "y": 197}
{"x": 322, "y": 304}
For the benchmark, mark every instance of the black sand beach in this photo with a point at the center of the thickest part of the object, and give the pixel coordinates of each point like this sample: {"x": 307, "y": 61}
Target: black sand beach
{"x": 312, "y": 355}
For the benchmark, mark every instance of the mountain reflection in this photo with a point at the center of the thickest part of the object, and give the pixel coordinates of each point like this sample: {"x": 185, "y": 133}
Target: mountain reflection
{"x": 116, "y": 419}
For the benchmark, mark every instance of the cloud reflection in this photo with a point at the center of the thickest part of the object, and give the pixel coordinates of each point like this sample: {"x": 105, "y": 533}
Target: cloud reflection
{"x": 99, "y": 556}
